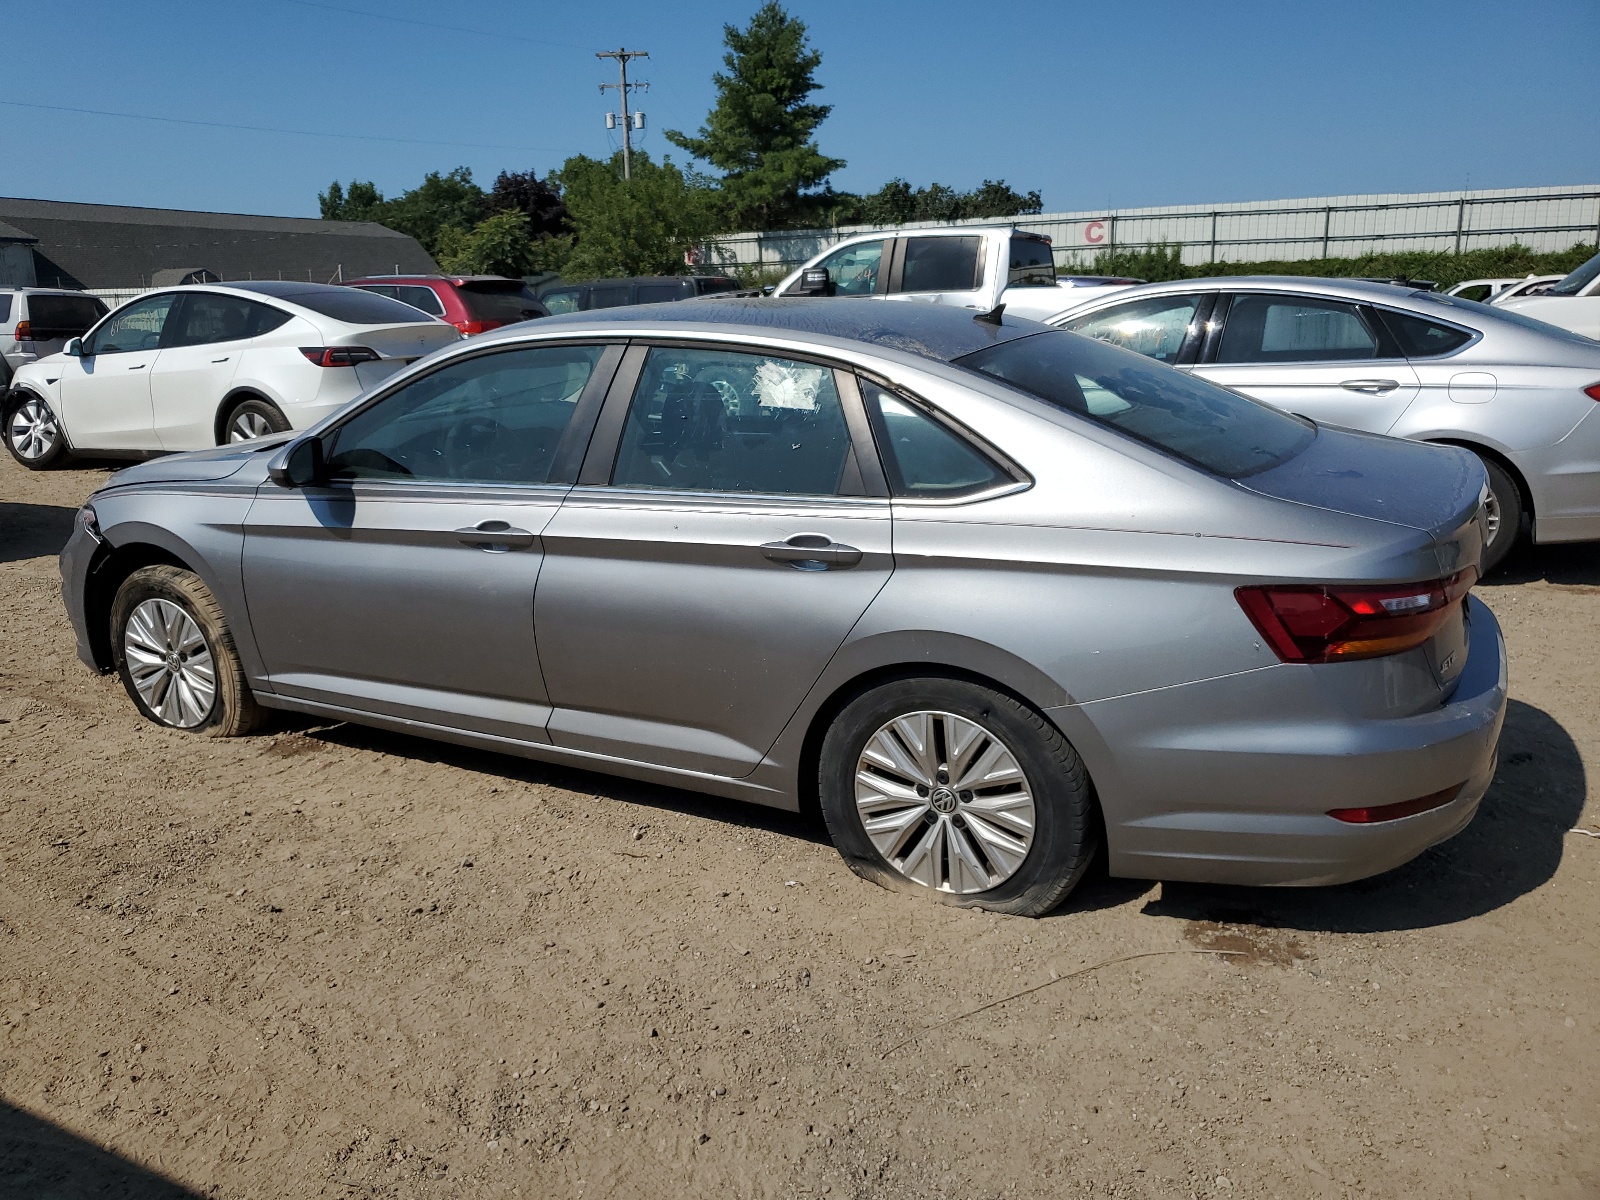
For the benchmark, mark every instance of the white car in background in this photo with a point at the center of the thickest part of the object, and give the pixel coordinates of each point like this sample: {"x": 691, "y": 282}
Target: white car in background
{"x": 36, "y": 322}
{"x": 967, "y": 266}
{"x": 190, "y": 367}
{"x": 1483, "y": 291}
{"x": 1572, "y": 303}
{"x": 1528, "y": 285}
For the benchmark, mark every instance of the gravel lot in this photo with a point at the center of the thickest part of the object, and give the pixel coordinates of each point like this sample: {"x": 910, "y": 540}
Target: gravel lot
{"x": 327, "y": 961}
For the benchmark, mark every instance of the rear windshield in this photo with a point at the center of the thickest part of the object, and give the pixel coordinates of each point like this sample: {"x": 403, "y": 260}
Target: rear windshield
{"x": 65, "y": 316}
{"x": 1195, "y": 420}
{"x": 497, "y": 300}
{"x": 354, "y": 306}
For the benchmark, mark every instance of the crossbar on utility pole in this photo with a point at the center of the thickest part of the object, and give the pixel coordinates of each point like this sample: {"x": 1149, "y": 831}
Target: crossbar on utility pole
{"x": 622, "y": 88}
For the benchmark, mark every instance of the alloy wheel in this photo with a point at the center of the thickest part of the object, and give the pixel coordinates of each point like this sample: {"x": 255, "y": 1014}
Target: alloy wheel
{"x": 170, "y": 663}
{"x": 945, "y": 802}
{"x": 33, "y": 430}
{"x": 1491, "y": 518}
{"x": 247, "y": 425}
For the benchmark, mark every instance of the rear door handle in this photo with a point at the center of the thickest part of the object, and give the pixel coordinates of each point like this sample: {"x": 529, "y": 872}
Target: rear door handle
{"x": 1371, "y": 387}
{"x": 812, "y": 552}
{"x": 494, "y": 536}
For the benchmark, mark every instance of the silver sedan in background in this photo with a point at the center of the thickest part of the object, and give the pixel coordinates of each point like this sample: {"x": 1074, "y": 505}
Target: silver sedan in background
{"x": 1520, "y": 394}
{"x": 993, "y": 596}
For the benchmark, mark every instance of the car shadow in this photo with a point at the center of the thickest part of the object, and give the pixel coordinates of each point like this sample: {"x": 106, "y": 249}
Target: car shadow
{"x": 1571, "y": 564}
{"x": 1513, "y": 845}
{"x": 33, "y": 530}
{"x": 39, "y": 1158}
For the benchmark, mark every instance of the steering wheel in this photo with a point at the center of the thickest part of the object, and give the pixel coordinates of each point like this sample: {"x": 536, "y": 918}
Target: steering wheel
{"x": 471, "y": 442}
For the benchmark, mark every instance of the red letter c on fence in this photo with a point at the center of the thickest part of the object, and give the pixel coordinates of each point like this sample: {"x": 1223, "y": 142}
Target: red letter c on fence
{"x": 1094, "y": 231}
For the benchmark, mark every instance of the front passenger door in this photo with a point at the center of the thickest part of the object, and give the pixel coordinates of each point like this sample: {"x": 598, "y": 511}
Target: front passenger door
{"x": 1322, "y": 358}
{"x": 722, "y": 549}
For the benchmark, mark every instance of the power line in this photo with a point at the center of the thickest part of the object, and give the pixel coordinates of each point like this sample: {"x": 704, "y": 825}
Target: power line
{"x": 622, "y": 90}
{"x": 497, "y": 35}
{"x": 357, "y": 137}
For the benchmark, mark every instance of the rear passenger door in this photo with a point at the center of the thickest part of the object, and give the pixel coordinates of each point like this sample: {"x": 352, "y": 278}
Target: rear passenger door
{"x": 1328, "y": 359}
{"x": 200, "y": 351}
{"x": 729, "y": 528}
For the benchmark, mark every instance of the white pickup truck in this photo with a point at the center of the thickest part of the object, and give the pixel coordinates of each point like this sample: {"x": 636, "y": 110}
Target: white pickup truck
{"x": 967, "y": 266}
{"x": 1573, "y": 303}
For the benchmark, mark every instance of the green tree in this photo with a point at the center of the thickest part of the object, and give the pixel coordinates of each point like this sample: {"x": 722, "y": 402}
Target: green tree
{"x": 360, "y": 202}
{"x": 497, "y": 245}
{"x": 897, "y": 202}
{"x": 438, "y": 203}
{"x": 759, "y": 134}
{"x": 640, "y": 226}
{"x": 537, "y": 199}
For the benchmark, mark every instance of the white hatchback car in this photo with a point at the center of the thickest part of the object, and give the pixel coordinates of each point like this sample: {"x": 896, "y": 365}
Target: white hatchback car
{"x": 191, "y": 367}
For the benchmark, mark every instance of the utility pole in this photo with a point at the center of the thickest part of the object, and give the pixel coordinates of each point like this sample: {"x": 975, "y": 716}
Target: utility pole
{"x": 623, "y": 87}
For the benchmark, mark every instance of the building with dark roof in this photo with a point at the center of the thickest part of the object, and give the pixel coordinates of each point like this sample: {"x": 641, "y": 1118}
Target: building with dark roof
{"x": 52, "y": 243}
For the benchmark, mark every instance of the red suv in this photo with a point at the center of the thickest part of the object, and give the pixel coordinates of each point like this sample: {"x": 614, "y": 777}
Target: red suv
{"x": 472, "y": 303}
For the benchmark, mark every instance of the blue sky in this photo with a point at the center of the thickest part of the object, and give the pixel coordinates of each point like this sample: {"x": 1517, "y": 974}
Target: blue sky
{"x": 1093, "y": 104}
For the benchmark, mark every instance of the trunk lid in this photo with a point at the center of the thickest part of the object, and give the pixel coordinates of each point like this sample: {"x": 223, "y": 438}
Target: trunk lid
{"x": 408, "y": 341}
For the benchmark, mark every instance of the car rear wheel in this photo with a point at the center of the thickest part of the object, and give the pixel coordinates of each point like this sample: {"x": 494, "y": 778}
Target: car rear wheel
{"x": 176, "y": 656}
{"x": 32, "y": 433}
{"x": 958, "y": 792}
{"x": 252, "y": 419}
{"x": 1505, "y": 515}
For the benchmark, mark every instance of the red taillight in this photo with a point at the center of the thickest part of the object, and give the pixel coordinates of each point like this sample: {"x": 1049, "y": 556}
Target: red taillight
{"x": 471, "y": 327}
{"x": 338, "y": 356}
{"x": 1334, "y": 623}
{"x": 24, "y": 332}
{"x": 1393, "y": 812}
{"x": 1592, "y": 391}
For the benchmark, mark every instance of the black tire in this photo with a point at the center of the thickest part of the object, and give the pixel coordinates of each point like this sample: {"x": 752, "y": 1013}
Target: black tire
{"x": 27, "y": 419}
{"x": 1066, "y": 821}
{"x": 253, "y": 414}
{"x": 232, "y": 710}
{"x": 1505, "y": 500}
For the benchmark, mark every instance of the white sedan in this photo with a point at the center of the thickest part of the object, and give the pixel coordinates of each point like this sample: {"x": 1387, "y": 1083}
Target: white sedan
{"x": 191, "y": 367}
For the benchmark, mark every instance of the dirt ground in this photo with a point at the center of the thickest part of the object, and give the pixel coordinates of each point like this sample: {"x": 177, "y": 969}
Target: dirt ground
{"x": 328, "y": 961}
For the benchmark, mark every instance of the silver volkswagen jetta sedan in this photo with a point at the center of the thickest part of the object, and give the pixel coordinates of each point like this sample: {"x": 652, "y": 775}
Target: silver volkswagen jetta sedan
{"x": 993, "y": 596}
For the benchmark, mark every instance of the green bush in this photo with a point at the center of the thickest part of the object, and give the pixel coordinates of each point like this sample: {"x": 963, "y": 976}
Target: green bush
{"x": 1162, "y": 262}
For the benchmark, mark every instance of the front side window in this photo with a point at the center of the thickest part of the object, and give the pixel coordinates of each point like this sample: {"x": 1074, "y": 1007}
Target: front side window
{"x": 726, "y": 421}
{"x": 492, "y": 418}
{"x": 924, "y": 458}
{"x": 136, "y": 327}
{"x": 942, "y": 264}
{"x": 853, "y": 270}
{"x": 1155, "y": 328}
{"x": 1209, "y": 426}
{"x": 1032, "y": 263}
{"x": 1294, "y": 329}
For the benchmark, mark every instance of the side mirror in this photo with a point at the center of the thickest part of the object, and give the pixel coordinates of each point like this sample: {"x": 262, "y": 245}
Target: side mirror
{"x": 814, "y": 281}
{"x": 74, "y": 348}
{"x": 299, "y": 464}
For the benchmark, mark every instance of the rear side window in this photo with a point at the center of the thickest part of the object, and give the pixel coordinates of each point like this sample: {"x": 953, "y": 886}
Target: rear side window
{"x": 1209, "y": 426}
{"x": 1032, "y": 264}
{"x": 1422, "y": 338}
{"x": 1155, "y": 328}
{"x": 204, "y": 317}
{"x": 5, "y": 307}
{"x": 355, "y": 306}
{"x": 1286, "y": 329}
{"x": 923, "y": 457}
{"x": 421, "y": 297}
{"x": 62, "y": 316}
{"x": 941, "y": 264}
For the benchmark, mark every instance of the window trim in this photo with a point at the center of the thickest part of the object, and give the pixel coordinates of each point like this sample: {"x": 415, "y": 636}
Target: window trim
{"x": 1021, "y": 480}
{"x": 599, "y": 464}
{"x": 1388, "y": 348}
{"x": 569, "y": 449}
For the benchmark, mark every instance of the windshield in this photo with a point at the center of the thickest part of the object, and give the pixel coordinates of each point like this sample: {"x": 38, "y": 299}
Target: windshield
{"x": 1578, "y": 280}
{"x": 1209, "y": 426}
{"x": 506, "y": 300}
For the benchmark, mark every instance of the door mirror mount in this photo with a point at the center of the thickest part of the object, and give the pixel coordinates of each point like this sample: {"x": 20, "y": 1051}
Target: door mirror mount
{"x": 74, "y": 348}
{"x": 299, "y": 464}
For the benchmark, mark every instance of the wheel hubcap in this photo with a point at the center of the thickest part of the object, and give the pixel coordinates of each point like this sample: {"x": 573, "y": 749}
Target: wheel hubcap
{"x": 170, "y": 663}
{"x": 1491, "y": 516}
{"x": 945, "y": 802}
{"x": 32, "y": 430}
{"x": 248, "y": 425}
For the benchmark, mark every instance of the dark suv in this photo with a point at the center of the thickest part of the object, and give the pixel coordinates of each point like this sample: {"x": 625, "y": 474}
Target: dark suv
{"x": 472, "y": 303}
{"x": 643, "y": 289}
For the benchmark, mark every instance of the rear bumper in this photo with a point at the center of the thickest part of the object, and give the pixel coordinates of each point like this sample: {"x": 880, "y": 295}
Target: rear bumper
{"x": 1230, "y": 780}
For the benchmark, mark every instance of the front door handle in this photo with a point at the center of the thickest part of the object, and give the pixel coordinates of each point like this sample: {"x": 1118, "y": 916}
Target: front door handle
{"x": 1370, "y": 387}
{"x": 812, "y": 552}
{"x": 224, "y": 358}
{"x": 494, "y": 536}
{"x": 137, "y": 367}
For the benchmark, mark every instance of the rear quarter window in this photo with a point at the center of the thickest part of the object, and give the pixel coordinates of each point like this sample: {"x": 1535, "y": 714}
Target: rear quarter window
{"x": 1421, "y": 338}
{"x": 5, "y": 308}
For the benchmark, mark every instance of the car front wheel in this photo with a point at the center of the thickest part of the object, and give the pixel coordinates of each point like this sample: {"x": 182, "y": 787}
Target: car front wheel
{"x": 958, "y": 792}
{"x": 32, "y": 433}
{"x": 176, "y": 656}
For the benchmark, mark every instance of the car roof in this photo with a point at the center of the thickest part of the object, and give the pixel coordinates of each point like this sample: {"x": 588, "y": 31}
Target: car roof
{"x": 425, "y": 277}
{"x": 933, "y": 331}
